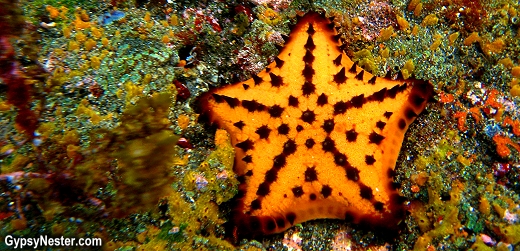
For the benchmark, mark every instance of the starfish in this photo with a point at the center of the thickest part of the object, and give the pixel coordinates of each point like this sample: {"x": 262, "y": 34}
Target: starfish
{"x": 315, "y": 135}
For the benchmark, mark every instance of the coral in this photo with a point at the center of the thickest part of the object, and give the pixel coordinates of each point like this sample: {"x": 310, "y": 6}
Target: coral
{"x": 430, "y": 20}
{"x": 503, "y": 144}
{"x": 53, "y": 12}
{"x": 65, "y": 93}
{"x": 79, "y": 24}
{"x": 472, "y": 38}
{"x": 408, "y": 69}
{"x": 144, "y": 168}
{"x": 466, "y": 14}
{"x": 90, "y": 44}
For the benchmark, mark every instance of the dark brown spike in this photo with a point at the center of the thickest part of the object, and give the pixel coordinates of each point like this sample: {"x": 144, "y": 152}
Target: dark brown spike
{"x": 336, "y": 37}
{"x": 283, "y": 129}
{"x": 388, "y": 75}
{"x": 232, "y": 102}
{"x": 388, "y": 114}
{"x": 392, "y": 91}
{"x": 328, "y": 125}
{"x": 379, "y": 206}
{"x": 328, "y": 145}
{"x": 409, "y": 113}
{"x": 311, "y": 174}
{"x": 256, "y": 204}
{"x": 380, "y": 124}
{"x": 340, "y": 77}
{"x": 248, "y": 159}
{"x": 293, "y": 101}
{"x": 369, "y": 159}
{"x": 352, "y": 173}
{"x": 285, "y": 38}
{"x": 308, "y": 58}
{"x": 217, "y": 98}
{"x": 250, "y": 105}
{"x": 372, "y": 81}
{"x": 257, "y": 79}
{"x": 240, "y": 124}
{"x": 399, "y": 76}
{"x": 326, "y": 191}
{"x": 352, "y": 135}
{"x": 245, "y": 86}
{"x": 309, "y": 143}
{"x": 308, "y": 88}
{"x": 308, "y": 116}
{"x": 279, "y": 62}
{"x": 260, "y": 107}
{"x": 401, "y": 124}
{"x": 245, "y": 145}
{"x": 291, "y": 217}
{"x": 276, "y": 81}
{"x": 340, "y": 159}
{"x": 365, "y": 192}
{"x": 279, "y": 161}
{"x": 271, "y": 175}
{"x": 358, "y": 101}
{"x": 337, "y": 61}
{"x": 263, "y": 132}
{"x": 278, "y": 47}
{"x": 353, "y": 69}
{"x": 289, "y": 147}
{"x": 379, "y": 95}
{"x": 375, "y": 138}
{"x": 298, "y": 191}
{"x": 308, "y": 72}
{"x": 263, "y": 189}
{"x": 270, "y": 224}
{"x": 359, "y": 76}
{"x": 403, "y": 87}
{"x": 280, "y": 222}
{"x": 416, "y": 100}
{"x": 310, "y": 44}
{"x": 323, "y": 100}
{"x": 340, "y": 107}
{"x": 275, "y": 111}
{"x": 310, "y": 30}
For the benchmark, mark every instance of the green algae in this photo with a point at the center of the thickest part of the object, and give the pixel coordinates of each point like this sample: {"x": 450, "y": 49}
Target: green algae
{"x": 134, "y": 56}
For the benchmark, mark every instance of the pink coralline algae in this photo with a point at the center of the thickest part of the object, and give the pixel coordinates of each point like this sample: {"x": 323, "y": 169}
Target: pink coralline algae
{"x": 376, "y": 16}
{"x": 275, "y": 4}
{"x": 201, "y": 182}
{"x": 201, "y": 18}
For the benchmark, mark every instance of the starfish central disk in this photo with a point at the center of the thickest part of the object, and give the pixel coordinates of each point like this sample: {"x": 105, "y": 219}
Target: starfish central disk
{"x": 315, "y": 135}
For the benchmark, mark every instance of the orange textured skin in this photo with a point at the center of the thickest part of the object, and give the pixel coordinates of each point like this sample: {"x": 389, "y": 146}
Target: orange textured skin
{"x": 315, "y": 136}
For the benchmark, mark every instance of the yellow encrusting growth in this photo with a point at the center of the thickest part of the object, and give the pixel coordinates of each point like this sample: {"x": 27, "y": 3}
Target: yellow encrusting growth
{"x": 452, "y": 37}
{"x": 386, "y": 33}
{"x": 430, "y": 20}
{"x": 408, "y": 69}
{"x": 472, "y": 38}
{"x": 403, "y": 24}
{"x": 315, "y": 135}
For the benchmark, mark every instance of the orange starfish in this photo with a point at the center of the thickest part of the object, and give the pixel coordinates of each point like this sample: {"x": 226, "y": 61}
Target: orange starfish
{"x": 315, "y": 135}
